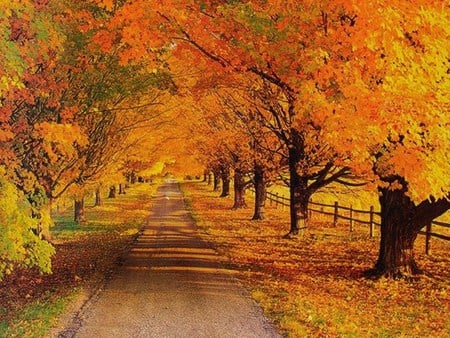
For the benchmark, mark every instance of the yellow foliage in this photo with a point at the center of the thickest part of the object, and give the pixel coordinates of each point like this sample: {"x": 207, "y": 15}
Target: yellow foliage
{"x": 19, "y": 246}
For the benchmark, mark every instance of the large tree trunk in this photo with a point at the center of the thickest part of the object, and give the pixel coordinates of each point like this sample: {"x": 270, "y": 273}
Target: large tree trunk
{"x": 225, "y": 176}
{"x": 79, "y": 214}
{"x": 401, "y": 221}
{"x": 98, "y": 198}
{"x": 260, "y": 193}
{"x": 299, "y": 196}
{"x": 239, "y": 190}
{"x": 396, "y": 255}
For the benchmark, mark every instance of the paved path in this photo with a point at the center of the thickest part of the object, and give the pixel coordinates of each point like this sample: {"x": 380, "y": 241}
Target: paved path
{"x": 172, "y": 284}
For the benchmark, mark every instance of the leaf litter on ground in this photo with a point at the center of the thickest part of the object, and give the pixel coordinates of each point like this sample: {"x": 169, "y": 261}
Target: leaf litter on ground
{"x": 314, "y": 285}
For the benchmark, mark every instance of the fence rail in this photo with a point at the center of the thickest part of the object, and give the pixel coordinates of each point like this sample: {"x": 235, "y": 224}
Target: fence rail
{"x": 349, "y": 214}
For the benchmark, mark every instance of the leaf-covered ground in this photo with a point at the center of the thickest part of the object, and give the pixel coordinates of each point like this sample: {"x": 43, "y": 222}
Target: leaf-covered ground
{"x": 85, "y": 255}
{"x": 314, "y": 285}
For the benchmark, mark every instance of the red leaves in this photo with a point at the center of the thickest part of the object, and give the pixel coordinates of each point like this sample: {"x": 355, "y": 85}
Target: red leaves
{"x": 105, "y": 40}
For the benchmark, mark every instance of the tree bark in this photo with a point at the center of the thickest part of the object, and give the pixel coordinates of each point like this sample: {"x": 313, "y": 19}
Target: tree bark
{"x": 133, "y": 178}
{"x": 299, "y": 195}
{"x": 239, "y": 190}
{"x": 216, "y": 180}
{"x": 401, "y": 221}
{"x": 225, "y": 176}
{"x": 260, "y": 193}
{"x": 98, "y": 198}
{"x": 121, "y": 189}
{"x": 112, "y": 191}
{"x": 79, "y": 214}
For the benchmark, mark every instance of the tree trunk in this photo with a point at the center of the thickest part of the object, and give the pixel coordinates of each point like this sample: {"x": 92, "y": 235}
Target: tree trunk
{"x": 133, "y": 178}
{"x": 396, "y": 255}
{"x": 79, "y": 215}
{"x": 112, "y": 191}
{"x": 401, "y": 221}
{"x": 225, "y": 176}
{"x": 260, "y": 193}
{"x": 121, "y": 189}
{"x": 239, "y": 190}
{"x": 299, "y": 196}
{"x": 98, "y": 198}
{"x": 216, "y": 180}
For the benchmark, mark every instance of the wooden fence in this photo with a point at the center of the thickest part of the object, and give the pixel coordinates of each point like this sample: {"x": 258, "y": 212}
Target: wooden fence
{"x": 349, "y": 214}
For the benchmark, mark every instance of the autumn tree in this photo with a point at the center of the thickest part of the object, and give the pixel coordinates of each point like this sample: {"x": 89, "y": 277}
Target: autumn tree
{"x": 256, "y": 39}
{"x": 414, "y": 159}
{"x": 399, "y": 89}
{"x": 28, "y": 93}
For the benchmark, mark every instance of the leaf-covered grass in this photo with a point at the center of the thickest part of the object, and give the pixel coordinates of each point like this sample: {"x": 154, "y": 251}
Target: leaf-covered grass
{"x": 31, "y": 303}
{"x": 314, "y": 285}
{"x": 35, "y": 318}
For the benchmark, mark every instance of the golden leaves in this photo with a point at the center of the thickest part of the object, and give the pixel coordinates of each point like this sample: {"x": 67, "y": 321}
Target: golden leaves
{"x": 106, "y": 4}
{"x": 59, "y": 140}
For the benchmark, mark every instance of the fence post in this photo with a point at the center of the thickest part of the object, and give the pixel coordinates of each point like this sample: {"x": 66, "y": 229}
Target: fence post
{"x": 351, "y": 218}
{"x": 336, "y": 206}
{"x": 371, "y": 221}
{"x": 428, "y": 239}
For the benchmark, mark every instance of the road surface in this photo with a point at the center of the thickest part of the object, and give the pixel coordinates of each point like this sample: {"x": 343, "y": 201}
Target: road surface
{"x": 171, "y": 284}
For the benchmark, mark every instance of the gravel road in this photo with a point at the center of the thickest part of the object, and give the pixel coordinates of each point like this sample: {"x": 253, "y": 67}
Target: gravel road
{"x": 172, "y": 284}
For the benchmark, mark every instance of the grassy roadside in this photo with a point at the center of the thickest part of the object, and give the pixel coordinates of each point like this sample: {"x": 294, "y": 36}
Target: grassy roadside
{"x": 32, "y": 303}
{"x": 313, "y": 286}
